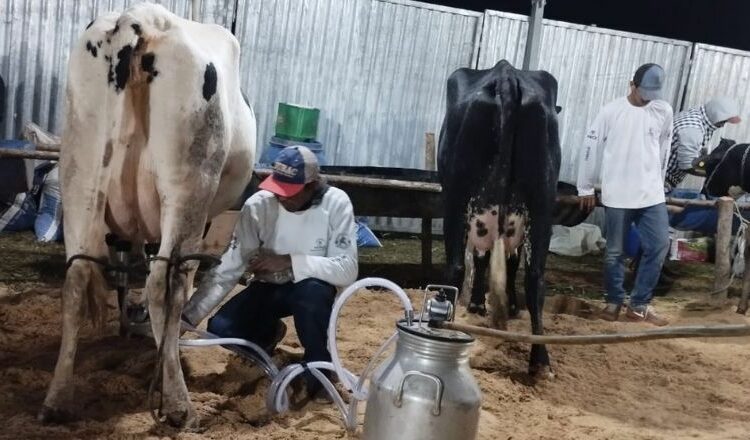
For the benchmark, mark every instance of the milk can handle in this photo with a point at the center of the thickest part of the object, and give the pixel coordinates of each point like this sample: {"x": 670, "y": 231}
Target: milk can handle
{"x": 397, "y": 400}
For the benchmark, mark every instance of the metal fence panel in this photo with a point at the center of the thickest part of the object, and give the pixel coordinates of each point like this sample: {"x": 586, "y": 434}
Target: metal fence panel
{"x": 375, "y": 68}
{"x": 592, "y": 66}
{"x": 721, "y": 71}
{"x": 35, "y": 41}
{"x": 503, "y": 38}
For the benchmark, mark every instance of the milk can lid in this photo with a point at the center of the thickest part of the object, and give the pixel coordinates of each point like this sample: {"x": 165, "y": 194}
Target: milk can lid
{"x": 437, "y": 334}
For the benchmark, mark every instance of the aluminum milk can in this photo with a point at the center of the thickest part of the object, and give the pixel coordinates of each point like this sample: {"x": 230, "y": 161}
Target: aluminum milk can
{"x": 425, "y": 390}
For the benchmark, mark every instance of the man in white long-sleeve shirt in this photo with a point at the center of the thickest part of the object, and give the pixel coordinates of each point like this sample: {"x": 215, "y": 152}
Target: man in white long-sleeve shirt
{"x": 298, "y": 238}
{"x": 629, "y": 143}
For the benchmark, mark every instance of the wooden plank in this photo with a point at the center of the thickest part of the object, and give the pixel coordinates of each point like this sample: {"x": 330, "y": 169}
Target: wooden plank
{"x": 393, "y": 203}
{"x": 723, "y": 243}
{"x": 373, "y": 182}
{"x": 28, "y": 154}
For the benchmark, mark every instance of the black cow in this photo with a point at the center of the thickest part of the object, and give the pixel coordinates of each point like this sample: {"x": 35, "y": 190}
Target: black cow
{"x": 498, "y": 163}
{"x": 726, "y": 169}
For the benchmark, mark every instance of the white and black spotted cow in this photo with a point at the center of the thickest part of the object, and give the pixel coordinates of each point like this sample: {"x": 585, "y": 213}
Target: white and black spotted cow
{"x": 157, "y": 141}
{"x": 498, "y": 163}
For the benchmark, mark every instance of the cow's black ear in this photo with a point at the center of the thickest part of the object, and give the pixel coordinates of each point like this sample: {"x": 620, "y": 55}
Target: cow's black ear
{"x": 558, "y": 109}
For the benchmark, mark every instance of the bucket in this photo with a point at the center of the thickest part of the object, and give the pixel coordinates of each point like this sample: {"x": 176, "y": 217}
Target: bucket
{"x": 277, "y": 144}
{"x": 296, "y": 122}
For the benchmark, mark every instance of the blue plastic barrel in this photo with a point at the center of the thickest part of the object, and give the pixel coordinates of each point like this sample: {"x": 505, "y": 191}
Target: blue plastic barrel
{"x": 277, "y": 144}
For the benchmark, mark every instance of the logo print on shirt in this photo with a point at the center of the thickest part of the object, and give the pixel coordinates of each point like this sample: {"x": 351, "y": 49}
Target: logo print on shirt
{"x": 320, "y": 244}
{"x": 342, "y": 241}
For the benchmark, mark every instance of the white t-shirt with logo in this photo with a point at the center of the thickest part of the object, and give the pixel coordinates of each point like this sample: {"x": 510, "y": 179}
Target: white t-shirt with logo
{"x": 321, "y": 240}
{"x": 626, "y": 149}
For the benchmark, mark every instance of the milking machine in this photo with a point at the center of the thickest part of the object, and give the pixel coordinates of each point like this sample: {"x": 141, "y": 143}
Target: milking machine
{"x": 423, "y": 390}
{"x": 133, "y": 317}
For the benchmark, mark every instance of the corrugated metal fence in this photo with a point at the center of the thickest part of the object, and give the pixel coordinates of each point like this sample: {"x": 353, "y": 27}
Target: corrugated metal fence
{"x": 376, "y": 68}
{"x": 35, "y": 41}
{"x": 592, "y": 67}
{"x": 721, "y": 71}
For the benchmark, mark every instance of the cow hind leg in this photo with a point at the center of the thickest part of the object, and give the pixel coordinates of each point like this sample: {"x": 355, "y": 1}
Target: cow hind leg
{"x": 479, "y": 284}
{"x": 469, "y": 277}
{"x": 512, "y": 271}
{"x": 539, "y": 365}
{"x": 56, "y": 407}
{"x": 167, "y": 289}
{"x": 497, "y": 286}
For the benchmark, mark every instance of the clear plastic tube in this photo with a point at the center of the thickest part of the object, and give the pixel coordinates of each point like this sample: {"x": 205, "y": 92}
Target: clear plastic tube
{"x": 209, "y": 339}
{"x": 277, "y": 400}
{"x": 340, "y": 301}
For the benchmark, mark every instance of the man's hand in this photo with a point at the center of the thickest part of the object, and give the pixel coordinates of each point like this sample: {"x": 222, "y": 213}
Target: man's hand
{"x": 270, "y": 263}
{"x": 587, "y": 203}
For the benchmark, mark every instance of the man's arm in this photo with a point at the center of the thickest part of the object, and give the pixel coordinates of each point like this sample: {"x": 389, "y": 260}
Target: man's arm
{"x": 689, "y": 141}
{"x": 222, "y": 278}
{"x": 591, "y": 155}
{"x": 339, "y": 267}
{"x": 588, "y": 161}
{"x": 665, "y": 142}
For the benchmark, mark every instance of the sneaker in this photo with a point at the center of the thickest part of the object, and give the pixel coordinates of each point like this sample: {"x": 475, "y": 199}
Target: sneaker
{"x": 277, "y": 337}
{"x": 610, "y": 312}
{"x": 646, "y": 314}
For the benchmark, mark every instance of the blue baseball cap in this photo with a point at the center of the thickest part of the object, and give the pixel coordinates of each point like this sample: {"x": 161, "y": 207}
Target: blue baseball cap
{"x": 649, "y": 80}
{"x": 293, "y": 168}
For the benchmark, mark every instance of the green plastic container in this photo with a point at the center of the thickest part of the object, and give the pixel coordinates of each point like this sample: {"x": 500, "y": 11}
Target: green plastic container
{"x": 296, "y": 122}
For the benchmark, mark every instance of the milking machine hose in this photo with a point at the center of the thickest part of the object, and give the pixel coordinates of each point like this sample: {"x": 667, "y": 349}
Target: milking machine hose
{"x": 275, "y": 400}
{"x": 257, "y": 354}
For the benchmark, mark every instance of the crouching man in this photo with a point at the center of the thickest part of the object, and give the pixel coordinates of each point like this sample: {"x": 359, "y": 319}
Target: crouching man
{"x": 297, "y": 236}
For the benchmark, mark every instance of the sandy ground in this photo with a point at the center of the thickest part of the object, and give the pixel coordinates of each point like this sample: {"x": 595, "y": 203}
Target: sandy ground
{"x": 656, "y": 390}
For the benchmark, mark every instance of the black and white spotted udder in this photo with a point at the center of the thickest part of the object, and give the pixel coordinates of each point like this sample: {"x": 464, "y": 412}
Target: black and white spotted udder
{"x": 493, "y": 222}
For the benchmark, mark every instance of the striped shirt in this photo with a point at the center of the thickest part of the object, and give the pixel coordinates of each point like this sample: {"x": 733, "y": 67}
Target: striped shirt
{"x": 691, "y": 131}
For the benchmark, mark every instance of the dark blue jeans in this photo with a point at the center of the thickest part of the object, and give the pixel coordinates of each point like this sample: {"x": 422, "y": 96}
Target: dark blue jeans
{"x": 254, "y": 314}
{"x": 653, "y": 227}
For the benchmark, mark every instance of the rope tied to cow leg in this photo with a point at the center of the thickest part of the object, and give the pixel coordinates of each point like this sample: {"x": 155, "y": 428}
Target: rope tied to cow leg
{"x": 175, "y": 261}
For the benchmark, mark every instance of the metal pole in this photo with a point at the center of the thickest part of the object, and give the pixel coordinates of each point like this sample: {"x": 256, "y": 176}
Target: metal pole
{"x": 534, "y": 36}
{"x": 195, "y": 10}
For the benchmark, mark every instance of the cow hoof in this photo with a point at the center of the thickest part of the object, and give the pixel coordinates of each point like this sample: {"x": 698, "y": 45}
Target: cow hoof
{"x": 541, "y": 373}
{"x": 137, "y": 313}
{"x": 477, "y": 309}
{"x": 513, "y": 312}
{"x": 182, "y": 419}
{"x": 54, "y": 415}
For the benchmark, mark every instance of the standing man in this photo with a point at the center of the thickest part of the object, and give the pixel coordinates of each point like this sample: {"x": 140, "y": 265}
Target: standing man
{"x": 629, "y": 141}
{"x": 693, "y": 130}
{"x": 298, "y": 238}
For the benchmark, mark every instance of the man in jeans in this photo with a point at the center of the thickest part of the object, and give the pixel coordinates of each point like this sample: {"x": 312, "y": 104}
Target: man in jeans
{"x": 298, "y": 238}
{"x": 629, "y": 143}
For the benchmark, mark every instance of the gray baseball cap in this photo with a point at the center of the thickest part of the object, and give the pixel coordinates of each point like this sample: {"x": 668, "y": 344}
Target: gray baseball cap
{"x": 649, "y": 80}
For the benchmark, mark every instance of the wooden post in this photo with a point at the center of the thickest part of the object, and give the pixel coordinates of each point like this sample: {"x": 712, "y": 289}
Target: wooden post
{"x": 429, "y": 151}
{"x": 426, "y": 245}
{"x": 723, "y": 243}
{"x": 429, "y": 164}
{"x": 742, "y": 306}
